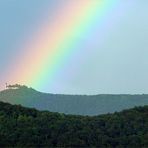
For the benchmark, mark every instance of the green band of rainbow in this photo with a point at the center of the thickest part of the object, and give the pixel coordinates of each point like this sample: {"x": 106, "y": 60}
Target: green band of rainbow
{"x": 55, "y": 42}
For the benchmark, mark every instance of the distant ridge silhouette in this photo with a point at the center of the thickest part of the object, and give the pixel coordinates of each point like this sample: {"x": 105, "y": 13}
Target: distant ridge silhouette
{"x": 72, "y": 104}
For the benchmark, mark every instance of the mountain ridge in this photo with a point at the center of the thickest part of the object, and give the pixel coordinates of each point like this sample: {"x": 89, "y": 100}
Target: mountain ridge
{"x": 73, "y": 104}
{"x": 24, "y": 87}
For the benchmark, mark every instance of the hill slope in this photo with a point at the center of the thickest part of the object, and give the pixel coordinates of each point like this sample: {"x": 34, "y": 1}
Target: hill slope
{"x": 72, "y": 104}
{"x": 23, "y": 127}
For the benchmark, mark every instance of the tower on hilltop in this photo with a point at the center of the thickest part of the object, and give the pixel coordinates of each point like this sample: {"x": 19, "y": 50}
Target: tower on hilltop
{"x": 6, "y": 85}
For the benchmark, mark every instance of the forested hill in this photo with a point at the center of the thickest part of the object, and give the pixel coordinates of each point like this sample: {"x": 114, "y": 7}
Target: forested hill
{"x": 72, "y": 104}
{"x": 24, "y": 127}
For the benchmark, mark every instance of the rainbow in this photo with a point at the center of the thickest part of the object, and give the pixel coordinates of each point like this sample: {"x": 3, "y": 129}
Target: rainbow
{"x": 54, "y": 43}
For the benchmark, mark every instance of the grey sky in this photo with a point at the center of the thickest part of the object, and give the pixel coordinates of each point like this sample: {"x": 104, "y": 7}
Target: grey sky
{"x": 118, "y": 65}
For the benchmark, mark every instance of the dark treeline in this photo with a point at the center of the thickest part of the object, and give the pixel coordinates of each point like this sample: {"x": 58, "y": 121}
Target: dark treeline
{"x": 24, "y": 127}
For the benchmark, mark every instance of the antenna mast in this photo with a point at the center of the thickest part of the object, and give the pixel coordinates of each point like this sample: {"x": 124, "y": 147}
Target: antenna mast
{"x": 6, "y": 85}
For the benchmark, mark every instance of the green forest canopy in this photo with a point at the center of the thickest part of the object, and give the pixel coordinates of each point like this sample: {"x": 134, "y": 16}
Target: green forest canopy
{"x": 23, "y": 127}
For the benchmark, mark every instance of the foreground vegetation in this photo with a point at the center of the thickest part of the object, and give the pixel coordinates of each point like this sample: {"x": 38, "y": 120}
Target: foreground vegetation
{"x": 24, "y": 127}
